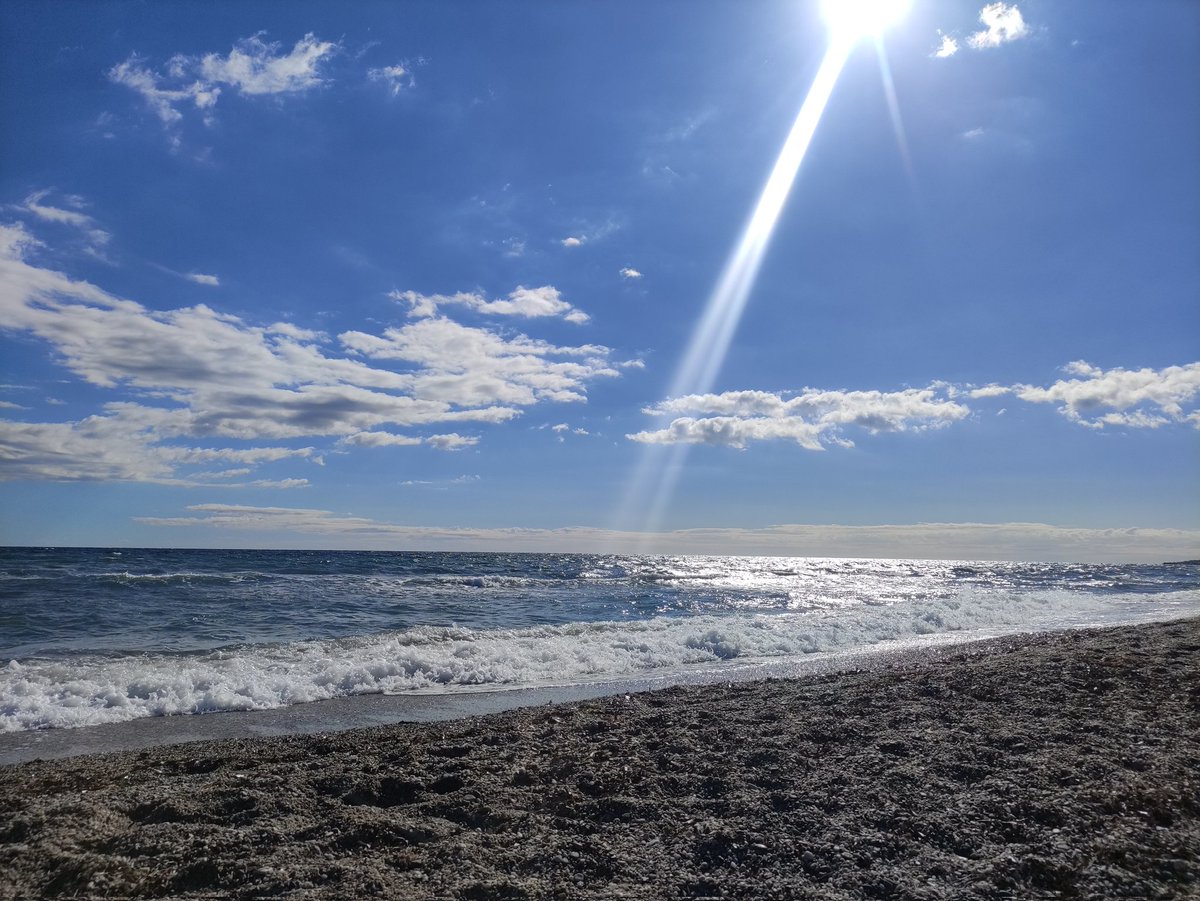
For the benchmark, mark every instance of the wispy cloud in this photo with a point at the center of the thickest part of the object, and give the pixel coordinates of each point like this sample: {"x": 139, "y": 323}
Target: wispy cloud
{"x": 193, "y": 375}
{"x": 530, "y": 303}
{"x": 397, "y": 78}
{"x": 252, "y": 68}
{"x": 201, "y": 279}
{"x": 95, "y": 236}
{"x": 629, "y": 273}
{"x": 1003, "y": 23}
{"x": 300, "y": 527}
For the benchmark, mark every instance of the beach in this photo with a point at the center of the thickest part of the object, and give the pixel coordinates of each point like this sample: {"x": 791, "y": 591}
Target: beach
{"x": 1048, "y": 765}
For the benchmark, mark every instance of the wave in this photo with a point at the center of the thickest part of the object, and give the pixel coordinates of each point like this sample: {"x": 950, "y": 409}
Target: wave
{"x": 180, "y": 578}
{"x": 84, "y": 691}
{"x": 479, "y": 581}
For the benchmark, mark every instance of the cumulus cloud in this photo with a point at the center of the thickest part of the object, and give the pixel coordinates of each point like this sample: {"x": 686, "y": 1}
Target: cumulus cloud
{"x": 299, "y": 527}
{"x": 627, "y": 272}
{"x": 946, "y": 48}
{"x": 201, "y": 279}
{"x": 252, "y": 68}
{"x": 1003, "y": 23}
{"x": 1133, "y": 398}
{"x": 193, "y": 375}
{"x": 813, "y": 418}
{"x": 529, "y": 303}
{"x": 571, "y": 241}
{"x": 474, "y": 367}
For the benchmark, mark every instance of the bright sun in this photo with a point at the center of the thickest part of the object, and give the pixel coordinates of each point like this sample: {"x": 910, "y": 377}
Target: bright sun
{"x": 857, "y": 18}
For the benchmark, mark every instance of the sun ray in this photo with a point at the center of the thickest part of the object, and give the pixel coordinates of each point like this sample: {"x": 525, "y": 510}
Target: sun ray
{"x": 660, "y": 467}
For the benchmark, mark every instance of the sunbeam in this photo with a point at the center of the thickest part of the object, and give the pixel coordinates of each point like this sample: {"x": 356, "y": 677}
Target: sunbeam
{"x": 659, "y": 468}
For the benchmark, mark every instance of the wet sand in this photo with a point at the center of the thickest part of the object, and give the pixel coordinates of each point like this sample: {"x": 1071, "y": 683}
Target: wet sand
{"x": 1060, "y": 765}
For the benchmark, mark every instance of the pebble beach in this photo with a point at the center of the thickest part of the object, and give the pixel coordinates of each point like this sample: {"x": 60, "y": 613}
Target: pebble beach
{"x": 1044, "y": 765}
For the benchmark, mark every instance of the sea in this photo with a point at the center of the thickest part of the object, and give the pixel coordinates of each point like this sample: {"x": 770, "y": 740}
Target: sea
{"x": 90, "y": 636}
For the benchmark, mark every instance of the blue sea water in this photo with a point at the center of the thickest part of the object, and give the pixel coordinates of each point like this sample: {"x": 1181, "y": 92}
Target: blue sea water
{"x": 92, "y": 636}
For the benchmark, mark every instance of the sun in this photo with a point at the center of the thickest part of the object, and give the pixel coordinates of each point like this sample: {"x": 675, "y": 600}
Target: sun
{"x": 850, "y": 19}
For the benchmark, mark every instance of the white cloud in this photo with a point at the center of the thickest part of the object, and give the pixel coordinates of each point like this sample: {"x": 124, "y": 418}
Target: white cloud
{"x": 473, "y": 367}
{"x": 989, "y": 391}
{"x": 530, "y": 303}
{"x": 193, "y": 374}
{"x": 255, "y": 67}
{"x": 201, "y": 279}
{"x": 451, "y": 441}
{"x": 947, "y": 48}
{"x": 630, "y": 273}
{"x": 571, "y": 241}
{"x": 252, "y": 68}
{"x": 1134, "y": 398}
{"x": 1003, "y": 24}
{"x": 380, "y": 439}
{"x": 297, "y": 527}
{"x": 397, "y": 77}
{"x": 813, "y": 419}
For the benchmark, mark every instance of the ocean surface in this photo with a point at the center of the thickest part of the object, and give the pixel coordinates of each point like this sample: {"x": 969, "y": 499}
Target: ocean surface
{"x": 91, "y": 636}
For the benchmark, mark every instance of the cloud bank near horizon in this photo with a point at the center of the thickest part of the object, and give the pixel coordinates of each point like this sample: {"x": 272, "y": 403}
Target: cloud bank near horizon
{"x": 324, "y": 529}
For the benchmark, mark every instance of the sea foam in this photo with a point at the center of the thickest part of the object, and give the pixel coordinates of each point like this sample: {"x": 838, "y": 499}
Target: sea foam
{"x": 86, "y": 690}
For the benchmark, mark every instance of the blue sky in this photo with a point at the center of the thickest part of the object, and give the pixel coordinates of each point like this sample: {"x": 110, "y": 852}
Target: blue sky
{"x": 425, "y": 275}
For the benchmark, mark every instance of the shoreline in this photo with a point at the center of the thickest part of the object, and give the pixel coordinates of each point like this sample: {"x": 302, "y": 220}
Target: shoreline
{"x": 1024, "y": 766}
{"x": 374, "y": 710}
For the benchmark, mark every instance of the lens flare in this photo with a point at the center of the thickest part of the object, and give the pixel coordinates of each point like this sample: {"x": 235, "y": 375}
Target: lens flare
{"x": 659, "y": 469}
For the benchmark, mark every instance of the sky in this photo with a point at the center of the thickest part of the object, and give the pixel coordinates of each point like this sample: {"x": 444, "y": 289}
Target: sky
{"x": 437, "y": 275}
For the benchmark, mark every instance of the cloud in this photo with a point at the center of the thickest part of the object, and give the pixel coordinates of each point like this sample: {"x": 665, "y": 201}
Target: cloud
{"x": 630, "y": 273}
{"x": 314, "y": 528}
{"x": 380, "y": 439}
{"x": 201, "y": 279}
{"x": 947, "y": 48}
{"x": 1133, "y": 398}
{"x": 252, "y": 68}
{"x": 989, "y": 391}
{"x": 95, "y": 236}
{"x": 571, "y": 241}
{"x": 397, "y": 77}
{"x": 1003, "y": 24}
{"x": 452, "y": 441}
{"x": 440, "y": 484}
{"x": 530, "y": 303}
{"x": 813, "y": 419}
{"x": 193, "y": 375}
